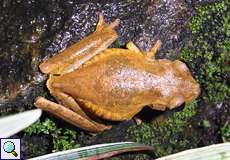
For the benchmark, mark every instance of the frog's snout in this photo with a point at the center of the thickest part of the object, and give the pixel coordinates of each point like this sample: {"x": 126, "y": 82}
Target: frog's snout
{"x": 196, "y": 90}
{"x": 193, "y": 91}
{"x": 190, "y": 89}
{"x": 44, "y": 68}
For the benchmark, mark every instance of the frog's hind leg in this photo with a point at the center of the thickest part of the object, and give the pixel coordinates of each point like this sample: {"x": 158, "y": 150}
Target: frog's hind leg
{"x": 69, "y": 102}
{"x": 151, "y": 54}
{"x": 68, "y": 109}
{"x": 68, "y": 115}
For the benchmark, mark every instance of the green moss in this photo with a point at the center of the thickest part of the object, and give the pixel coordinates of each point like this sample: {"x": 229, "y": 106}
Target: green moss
{"x": 168, "y": 137}
{"x": 205, "y": 124}
{"x": 204, "y": 13}
{"x": 117, "y": 44}
{"x": 225, "y": 132}
{"x": 63, "y": 138}
{"x": 208, "y": 56}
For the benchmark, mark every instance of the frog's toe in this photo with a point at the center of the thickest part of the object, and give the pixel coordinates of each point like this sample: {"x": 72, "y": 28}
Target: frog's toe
{"x": 138, "y": 120}
{"x": 101, "y": 23}
{"x": 154, "y": 50}
{"x": 114, "y": 24}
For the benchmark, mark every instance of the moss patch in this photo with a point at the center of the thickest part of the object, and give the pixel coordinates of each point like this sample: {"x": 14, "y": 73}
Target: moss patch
{"x": 63, "y": 138}
{"x": 208, "y": 55}
{"x": 225, "y": 132}
{"x": 168, "y": 137}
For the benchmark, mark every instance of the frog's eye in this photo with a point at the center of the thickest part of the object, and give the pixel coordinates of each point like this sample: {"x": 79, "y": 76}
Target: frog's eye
{"x": 181, "y": 66}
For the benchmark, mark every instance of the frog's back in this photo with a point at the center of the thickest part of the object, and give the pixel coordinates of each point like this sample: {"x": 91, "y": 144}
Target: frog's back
{"x": 117, "y": 83}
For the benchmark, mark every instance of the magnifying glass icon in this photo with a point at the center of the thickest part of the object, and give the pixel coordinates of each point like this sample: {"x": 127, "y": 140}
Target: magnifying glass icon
{"x": 9, "y": 147}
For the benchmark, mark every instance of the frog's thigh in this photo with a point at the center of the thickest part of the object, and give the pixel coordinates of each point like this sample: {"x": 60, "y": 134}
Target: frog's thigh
{"x": 112, "y": 113}
{"x": 66, "y": 114}
{"x": 69, "y": 102}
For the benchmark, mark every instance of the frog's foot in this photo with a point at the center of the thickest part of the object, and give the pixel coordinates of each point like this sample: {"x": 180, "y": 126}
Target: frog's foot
{"x": 68, "y": 115}
{"x": 101, "y": 23}
{"x": 114, "y": 24}
{"x": 154, "y": 49}
{"x": 137, "y": 120}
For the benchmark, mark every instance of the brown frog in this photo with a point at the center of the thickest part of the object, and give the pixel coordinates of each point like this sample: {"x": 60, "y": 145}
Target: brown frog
{"x": 90, "y": 81}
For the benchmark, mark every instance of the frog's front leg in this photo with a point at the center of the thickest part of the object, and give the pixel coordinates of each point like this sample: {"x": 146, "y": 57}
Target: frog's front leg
{"x": 69, "y": 116}
{"x": 77, "y": 54}
{"x": 151, "y": 54}
{"x": 154, "y": 50}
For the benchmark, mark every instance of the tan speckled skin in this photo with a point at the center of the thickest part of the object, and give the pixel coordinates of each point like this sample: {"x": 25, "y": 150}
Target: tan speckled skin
{"x": 122, "y": 82}
{"x": 115, "y": 84}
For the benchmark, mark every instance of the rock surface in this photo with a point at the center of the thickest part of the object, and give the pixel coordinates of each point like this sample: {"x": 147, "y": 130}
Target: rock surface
{"x": 32, "y": 30}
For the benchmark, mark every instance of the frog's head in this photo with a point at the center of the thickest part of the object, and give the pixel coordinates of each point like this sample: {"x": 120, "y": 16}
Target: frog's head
{"x": 187, "y": 87}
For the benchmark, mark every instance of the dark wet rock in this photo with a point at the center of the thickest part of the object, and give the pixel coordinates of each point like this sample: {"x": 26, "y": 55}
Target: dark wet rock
{"x": 108, "y": 136}
{"x": 32, "y": 30}
{"x": 209, "y": 121}
{"x": 201, "y": 2}
{"x": 34, "y": 145}
{"x": 23, "y": 101}
{"x": 31, "y": 148}
{"x": 167, "y": 24}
